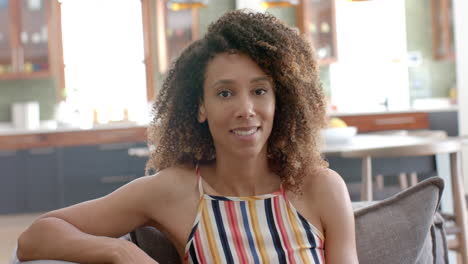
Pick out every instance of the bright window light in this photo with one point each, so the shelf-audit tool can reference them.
(103, 56)
(371, 67)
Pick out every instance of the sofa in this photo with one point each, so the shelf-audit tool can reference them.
(405, 228)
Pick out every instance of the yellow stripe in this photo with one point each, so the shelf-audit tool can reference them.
(209, 233)
(258, 235)
(297, 233)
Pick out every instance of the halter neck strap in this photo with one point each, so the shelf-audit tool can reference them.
(199, 180)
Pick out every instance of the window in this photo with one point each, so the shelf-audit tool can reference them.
(372, 68)
(103, 48)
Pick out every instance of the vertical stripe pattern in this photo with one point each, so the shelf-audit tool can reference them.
(256, 229)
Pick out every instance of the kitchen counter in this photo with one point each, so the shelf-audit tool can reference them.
(47, 138)
(401, 111)
(49, 135)
(7, 129)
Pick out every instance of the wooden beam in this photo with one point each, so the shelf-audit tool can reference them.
(148, 48)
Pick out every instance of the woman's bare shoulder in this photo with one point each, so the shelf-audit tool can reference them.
(324, 181)
(329, 191)
(173, 179)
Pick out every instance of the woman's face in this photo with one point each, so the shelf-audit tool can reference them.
(239, 104)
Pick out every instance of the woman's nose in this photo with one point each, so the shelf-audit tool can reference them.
(245, 108)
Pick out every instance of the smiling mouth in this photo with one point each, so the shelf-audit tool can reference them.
(244, 132)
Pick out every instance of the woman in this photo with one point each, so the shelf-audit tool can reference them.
(240, 178)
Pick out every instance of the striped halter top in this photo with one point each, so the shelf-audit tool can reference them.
(253, 229)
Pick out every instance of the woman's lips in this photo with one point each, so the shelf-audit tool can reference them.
(245, 131)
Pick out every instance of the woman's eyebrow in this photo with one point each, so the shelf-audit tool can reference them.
(259, 79)
(227, 81)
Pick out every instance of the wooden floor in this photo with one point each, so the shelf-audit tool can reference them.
(11, 227)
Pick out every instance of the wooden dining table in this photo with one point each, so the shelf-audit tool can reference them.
(366, 142)
(358, 142)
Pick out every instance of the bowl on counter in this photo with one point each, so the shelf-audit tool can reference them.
(338, 135)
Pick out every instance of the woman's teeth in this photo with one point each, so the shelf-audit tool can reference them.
(244, 132)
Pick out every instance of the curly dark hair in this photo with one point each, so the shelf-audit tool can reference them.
(294, 144)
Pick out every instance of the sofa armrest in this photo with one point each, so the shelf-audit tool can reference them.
(14, 260)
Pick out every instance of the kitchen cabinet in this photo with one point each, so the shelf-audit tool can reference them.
(442, 30)
(30, 39)
(48, 170)
(387, 121)
(138, 164)
(176, 28)
(316, 18)
(91, 172)
(12, 192)
(41, 190)
(446, 121)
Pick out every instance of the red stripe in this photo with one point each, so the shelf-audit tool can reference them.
(284, 235)
(235, 229)
(322, 251)
(199, 248)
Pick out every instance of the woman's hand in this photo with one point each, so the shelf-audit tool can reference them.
(128, 253)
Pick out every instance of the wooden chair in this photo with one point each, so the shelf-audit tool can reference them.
(403, 176)
(452, 147)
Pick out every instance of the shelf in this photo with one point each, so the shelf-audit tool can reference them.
(24, 75)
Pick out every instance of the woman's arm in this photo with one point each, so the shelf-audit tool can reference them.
(331, 201)
(338, 220)
(87, 232)
(60, 240)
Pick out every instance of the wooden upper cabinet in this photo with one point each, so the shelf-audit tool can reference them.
(176, 29)
(442, 30)
(316, 18)
(29, 39)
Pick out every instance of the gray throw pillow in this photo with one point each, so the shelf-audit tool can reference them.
(404, 228)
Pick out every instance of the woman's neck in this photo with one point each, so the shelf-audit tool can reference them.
(236, 176)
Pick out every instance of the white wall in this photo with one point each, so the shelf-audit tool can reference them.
(460, 10)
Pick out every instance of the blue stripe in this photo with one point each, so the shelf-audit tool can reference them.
(193, 255)
(274, 232)
(219, 198)
(222, 232)
(310, 237)
(249, 233)
(194, 228)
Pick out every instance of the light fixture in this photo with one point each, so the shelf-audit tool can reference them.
(275, 3)
(176, 5)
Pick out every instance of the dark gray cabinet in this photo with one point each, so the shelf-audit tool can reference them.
(446, 121)
(91, 172)
(41, 179)
(12, 192)
(138, 164)
(44, 179)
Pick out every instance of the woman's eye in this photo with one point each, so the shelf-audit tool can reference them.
(260, 91)
(224, 94)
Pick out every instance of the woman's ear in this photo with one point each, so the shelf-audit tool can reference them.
(201, 113)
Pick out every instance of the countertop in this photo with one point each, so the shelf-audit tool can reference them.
(7, 129)
(50, 126)
(400, 111)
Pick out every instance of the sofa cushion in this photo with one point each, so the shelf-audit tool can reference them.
(155, 244)
(401, 228)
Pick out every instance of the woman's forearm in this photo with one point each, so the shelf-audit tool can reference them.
(54, 238)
